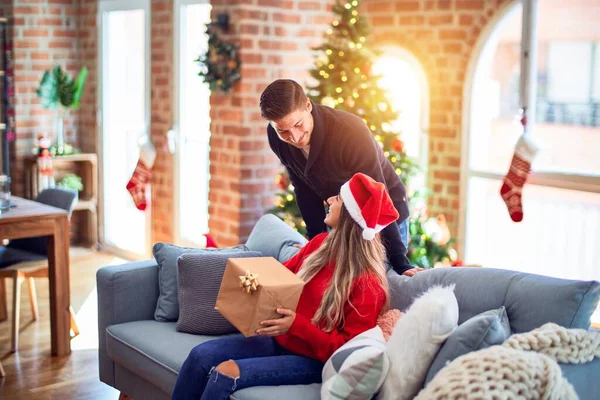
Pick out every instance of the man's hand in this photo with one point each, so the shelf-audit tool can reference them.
(413, 271)
(278, 326)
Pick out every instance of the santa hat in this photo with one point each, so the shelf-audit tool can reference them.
(369, 204)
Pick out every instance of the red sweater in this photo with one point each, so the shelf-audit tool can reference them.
(306, 339)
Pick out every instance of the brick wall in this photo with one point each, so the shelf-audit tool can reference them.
(44, 34)
(87, 37)
(161, 42)
(6, 9)
(441, 34)
(275, 40)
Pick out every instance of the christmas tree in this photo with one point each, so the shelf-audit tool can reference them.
(345, 81)
(286, 207)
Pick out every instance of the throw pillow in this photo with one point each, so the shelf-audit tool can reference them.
(274, 238)
(166, 255)
(484, 330)
(199, 280)
(416, 339)
(357, 369)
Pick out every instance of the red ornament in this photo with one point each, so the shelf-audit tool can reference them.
(210, 242)
(398, 145)
(283, 183)
(458, 263)
(524, 120)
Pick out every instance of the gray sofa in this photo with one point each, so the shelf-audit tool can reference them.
(141, 357)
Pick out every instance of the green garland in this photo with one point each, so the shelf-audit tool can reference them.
(220, 64)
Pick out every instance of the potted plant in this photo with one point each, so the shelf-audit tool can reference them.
(58, 91)
(72, 182)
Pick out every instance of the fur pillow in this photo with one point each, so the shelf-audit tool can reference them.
(416, 340)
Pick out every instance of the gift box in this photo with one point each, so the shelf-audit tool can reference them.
(253, 288)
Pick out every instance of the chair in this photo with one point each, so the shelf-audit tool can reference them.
(26, 259)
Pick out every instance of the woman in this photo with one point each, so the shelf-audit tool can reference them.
(345, 291)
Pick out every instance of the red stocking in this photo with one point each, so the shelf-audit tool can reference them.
(141, 176)
(517, 175)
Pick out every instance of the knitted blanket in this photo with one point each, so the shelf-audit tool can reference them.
(567, 346)
(524, 366)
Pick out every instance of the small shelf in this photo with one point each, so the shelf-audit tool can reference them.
(84, 221)
(3, 21)
(1, 73)
(2, 127)
(74, 158)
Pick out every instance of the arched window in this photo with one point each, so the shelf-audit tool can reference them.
(560, 232)
(408, 91)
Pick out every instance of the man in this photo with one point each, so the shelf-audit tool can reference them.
(321, 148)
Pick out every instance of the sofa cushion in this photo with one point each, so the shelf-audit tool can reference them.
(166, 255)
(274, 238)
(154, 350)
(584, 378)
(525, 296)
(290, 392)
(140, 348)
(199, 279)
(484, 330)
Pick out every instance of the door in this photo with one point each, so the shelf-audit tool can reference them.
(192, 124)
(124, 101)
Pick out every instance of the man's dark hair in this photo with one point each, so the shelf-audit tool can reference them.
(280, 98)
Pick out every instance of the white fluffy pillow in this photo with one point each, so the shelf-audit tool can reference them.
(357, 369)
(416, 340)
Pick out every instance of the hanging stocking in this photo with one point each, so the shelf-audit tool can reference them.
(141, 176)
(517, 175)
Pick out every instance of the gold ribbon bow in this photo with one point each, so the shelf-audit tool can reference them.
(249, 282)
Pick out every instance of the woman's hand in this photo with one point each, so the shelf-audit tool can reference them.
(413, 271)
(279, 326)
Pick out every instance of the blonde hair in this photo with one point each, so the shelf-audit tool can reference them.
(352, 256)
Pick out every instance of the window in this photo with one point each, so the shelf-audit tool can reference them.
(405, 81)
(561, 227)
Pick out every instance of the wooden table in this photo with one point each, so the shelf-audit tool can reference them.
(31, 219)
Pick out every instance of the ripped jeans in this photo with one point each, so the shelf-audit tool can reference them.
(261, 361)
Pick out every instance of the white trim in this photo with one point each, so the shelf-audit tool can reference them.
(569, 180)
(351, 205)
(105, 6)
(414, 63)
(120, 5)
(529, 62)
(466, 116)
(175, 130)
(526, 148)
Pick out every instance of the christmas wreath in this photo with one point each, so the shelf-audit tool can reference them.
(220, 64)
